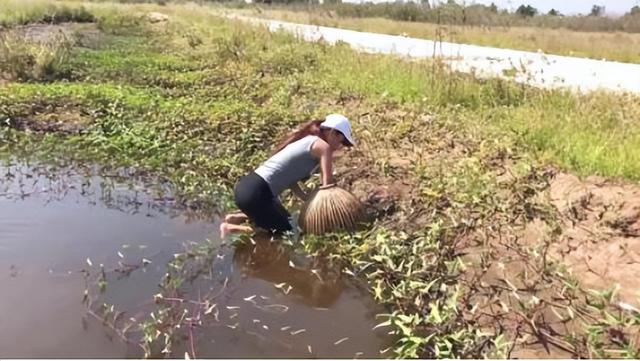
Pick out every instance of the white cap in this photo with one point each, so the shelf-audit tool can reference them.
(340, 123)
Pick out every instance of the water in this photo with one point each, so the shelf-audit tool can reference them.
(53, 222)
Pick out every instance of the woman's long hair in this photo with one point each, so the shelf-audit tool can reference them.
(311, 127)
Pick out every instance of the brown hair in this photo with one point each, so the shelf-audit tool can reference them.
(311, 127)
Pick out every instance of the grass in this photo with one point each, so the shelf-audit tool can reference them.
(199, 101)
(613, 45)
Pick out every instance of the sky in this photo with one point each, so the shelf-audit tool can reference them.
(613, 7)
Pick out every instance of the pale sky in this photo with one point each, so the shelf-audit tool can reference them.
(613, 7)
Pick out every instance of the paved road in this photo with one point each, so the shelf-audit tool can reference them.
(536, 69)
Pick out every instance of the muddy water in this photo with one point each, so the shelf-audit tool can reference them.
(53, 222)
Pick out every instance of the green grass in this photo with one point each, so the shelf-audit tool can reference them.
(588, 134)
(200, 100)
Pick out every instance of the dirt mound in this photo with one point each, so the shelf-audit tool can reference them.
(155, 17)
(383, 195)
(600, 241)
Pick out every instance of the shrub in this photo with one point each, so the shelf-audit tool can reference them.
(67, 14)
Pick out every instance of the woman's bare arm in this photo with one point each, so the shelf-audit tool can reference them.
(322, 150)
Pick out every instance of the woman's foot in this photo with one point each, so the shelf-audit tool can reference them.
(235, 218)
(227, 228)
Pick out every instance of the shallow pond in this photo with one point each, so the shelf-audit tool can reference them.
(55, 222)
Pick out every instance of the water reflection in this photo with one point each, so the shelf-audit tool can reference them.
(315, 283)
(283, 304)
(119, 189)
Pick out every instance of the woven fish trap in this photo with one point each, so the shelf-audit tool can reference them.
(331, 209)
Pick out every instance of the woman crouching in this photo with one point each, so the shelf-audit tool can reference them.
(295, 158)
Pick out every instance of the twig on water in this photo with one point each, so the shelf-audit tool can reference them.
(110, 326)
(193, 350)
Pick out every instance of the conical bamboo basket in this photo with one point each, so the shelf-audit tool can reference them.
(330, 209)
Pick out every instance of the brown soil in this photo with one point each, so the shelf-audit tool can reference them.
(597, 239)
(380, 175)
(600, 242)
(383, 195)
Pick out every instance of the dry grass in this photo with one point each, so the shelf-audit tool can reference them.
(14, 12)
(24, 59)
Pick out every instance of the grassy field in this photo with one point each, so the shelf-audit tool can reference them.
(616, 46)
(199, 100)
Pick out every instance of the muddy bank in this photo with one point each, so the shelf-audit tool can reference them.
(600, 240)
(69, 121)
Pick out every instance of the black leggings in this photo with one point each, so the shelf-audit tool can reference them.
(254, 197)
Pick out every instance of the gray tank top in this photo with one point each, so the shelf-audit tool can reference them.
(290, 165)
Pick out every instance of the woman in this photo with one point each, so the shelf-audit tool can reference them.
(256, 194)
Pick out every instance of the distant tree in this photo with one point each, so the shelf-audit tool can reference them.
(526, 11)
(635, 10)
(494, 9)
(554, 12)
(597, 10)
(425, 3)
